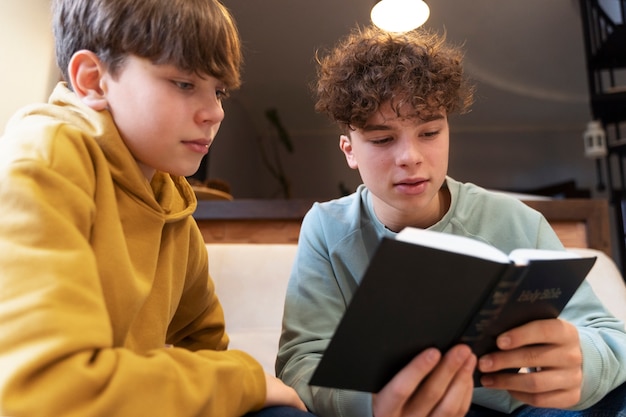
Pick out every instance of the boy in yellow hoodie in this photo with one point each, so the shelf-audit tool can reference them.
(106, 308)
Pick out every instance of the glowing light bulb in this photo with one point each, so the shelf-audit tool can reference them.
(399, 15)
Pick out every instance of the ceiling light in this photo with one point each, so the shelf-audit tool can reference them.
(399, 15)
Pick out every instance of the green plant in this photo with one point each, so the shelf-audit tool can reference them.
(270, 151)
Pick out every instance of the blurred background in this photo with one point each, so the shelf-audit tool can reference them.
(523, 134)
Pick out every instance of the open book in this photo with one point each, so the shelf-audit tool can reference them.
(430, 289)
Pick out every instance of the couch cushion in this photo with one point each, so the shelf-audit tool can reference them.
(251, 281)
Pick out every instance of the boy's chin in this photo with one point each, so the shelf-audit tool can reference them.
(188, 172)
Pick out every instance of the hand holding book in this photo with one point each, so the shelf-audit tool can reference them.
(429, 289)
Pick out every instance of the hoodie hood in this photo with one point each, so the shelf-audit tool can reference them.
(169, 195)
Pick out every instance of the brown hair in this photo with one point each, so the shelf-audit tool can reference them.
(197, 36)
(370, 67)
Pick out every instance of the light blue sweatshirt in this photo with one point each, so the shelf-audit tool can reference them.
(337, 240)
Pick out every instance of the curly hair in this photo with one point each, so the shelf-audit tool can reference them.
(371, 67)
(197, 36)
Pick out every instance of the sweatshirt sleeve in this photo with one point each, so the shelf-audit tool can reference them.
(316, 299)
(603, 345)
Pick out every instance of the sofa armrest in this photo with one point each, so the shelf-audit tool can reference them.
(607, 282)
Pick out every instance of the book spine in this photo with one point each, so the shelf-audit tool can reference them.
(475, 334)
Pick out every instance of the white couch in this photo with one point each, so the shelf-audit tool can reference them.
(251, 280)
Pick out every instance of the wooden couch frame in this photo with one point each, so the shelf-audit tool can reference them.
(578, 222)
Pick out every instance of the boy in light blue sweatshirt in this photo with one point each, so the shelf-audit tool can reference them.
(392, 95)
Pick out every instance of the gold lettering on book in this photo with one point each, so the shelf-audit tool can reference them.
(530, 296)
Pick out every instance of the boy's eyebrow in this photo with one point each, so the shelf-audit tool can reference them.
(424, 119)
(432, 117)
(369, 128)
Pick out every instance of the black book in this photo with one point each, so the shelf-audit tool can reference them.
(428, 289)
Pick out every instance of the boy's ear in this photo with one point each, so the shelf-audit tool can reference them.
(346, 147)
(86, 72)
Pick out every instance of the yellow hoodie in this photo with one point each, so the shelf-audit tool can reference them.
(99, 270)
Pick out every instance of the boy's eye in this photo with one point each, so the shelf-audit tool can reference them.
(183, 85)
(221, 94)
(431, 134)
(381, 141)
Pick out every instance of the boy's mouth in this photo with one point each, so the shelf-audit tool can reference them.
(200, 145)
(411, 186)
(411, 182)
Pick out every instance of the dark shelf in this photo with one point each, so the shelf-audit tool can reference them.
(609, 107)
(605, 52)
(612, 52)
(258, 209)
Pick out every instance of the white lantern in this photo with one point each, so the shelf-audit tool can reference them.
(595, 140)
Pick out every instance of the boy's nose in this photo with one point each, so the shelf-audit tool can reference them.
(408, 153)
(210, 113)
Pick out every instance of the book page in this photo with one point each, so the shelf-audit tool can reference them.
(452, 243)
(523, 256)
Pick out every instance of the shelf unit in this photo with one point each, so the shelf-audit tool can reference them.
(604, 33)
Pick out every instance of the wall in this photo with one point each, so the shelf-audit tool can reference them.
(502, 157)
(27, 67)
